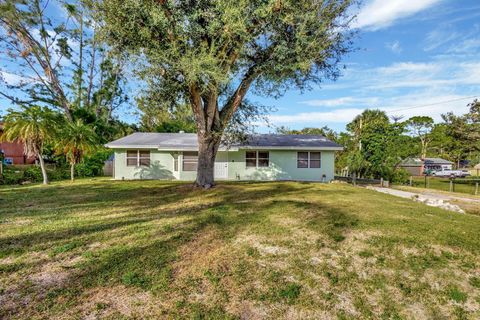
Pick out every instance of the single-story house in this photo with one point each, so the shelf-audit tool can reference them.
(260, 157)
(13, 152)
(417, 166)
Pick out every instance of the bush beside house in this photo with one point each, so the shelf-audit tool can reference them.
(91, 166)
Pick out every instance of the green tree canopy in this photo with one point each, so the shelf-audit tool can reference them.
(75, 139)
(377, 146)
(33, 126)
(59, 58)
(420, 127)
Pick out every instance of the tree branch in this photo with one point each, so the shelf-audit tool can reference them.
(237, 97)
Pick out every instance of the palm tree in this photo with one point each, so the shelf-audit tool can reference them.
(74, 141)
(32, 126)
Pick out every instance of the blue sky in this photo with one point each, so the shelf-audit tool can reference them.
(411, 53)
(415, 57)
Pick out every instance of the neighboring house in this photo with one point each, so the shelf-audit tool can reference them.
(417, 166)
(14, 152)
(261, 157)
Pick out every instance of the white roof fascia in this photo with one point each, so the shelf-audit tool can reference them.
(118, 146)
(293, 148)
(223, 148)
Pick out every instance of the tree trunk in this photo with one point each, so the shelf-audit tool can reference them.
(207, 151)
(424, 150)
(42, 167)
(72, 172)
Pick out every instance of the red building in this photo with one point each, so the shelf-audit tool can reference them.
(13, 152)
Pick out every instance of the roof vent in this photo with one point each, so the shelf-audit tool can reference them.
(181, 131)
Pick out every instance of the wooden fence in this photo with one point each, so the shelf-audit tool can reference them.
(360, 181)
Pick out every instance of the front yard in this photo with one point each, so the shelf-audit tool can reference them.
(122, 250)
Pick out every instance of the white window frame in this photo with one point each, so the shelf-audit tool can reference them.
(137, 158)
(176, 161)
(309, 159)
(257, 159)
(189, 161)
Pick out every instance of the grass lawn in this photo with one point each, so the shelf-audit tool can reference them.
(466, 186)
(138, 250)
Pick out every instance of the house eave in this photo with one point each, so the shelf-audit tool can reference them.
(176, 149)
(118, 146)
(295, 148)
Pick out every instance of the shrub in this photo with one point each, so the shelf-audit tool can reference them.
(58, 173)
(400, 176)
(33, 174)
(92, 165)
(16, 175)
(11, 176)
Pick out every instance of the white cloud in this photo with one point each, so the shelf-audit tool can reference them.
(340, 102)
(450, 41)
(471, 45)
(395, 47)
(395, 88)
(338, 116)
(439, 37)
(445, 74)
(399, 68)
(379, 14)
(428, 103)
(12, 78)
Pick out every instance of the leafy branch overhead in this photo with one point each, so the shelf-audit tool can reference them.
(202, 49)
(52, 51)
(209, 54)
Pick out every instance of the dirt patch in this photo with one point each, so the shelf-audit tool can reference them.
(259, 243)
(248, 310)
(50, 277)
(199, 254)
(116, 301)
(19, 221)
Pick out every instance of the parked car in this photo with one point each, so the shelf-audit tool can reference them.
(451, 173)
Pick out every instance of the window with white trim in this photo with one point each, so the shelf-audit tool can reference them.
(302, 159)
(190, 161)
(251, 159)
(315, 159)
(257, 159)
(138, 158)
(306, 159)
(175, 162)
(263, 159)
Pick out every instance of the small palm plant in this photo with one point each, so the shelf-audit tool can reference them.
(33, 126)
(76, 140)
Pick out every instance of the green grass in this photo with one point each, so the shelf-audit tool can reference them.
(465, 185)
(149, 249)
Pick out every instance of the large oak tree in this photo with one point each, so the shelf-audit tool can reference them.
(210, 53)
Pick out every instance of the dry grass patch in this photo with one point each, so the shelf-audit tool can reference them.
(101, 249)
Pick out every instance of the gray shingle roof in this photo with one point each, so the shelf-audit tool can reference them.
(189, 141)
(437, 161)
(154, 140)
(412, 162)
(289, 140)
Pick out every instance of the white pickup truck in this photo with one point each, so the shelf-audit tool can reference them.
(451, 173)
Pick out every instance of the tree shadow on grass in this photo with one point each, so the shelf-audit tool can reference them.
(143, 207)
(146, 260)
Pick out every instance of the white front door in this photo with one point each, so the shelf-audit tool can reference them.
(221, 170)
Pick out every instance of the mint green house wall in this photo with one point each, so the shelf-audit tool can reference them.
(161, 167)
(283, 166)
